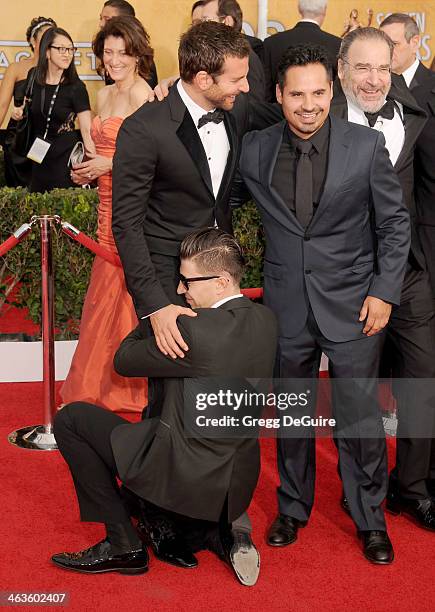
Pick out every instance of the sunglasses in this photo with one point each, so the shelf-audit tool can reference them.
(185, 281)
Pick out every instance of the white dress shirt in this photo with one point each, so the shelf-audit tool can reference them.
(409, 73)
(213, 137)
(392, 129)
(227, 299)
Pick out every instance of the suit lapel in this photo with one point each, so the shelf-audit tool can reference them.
(414, 118)
(230, 127)
(188, 134)
(268, 156)
(338, 156)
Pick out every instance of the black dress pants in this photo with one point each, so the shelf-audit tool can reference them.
(167, 270)
(82, 433)
(410, 347)
(360, 437)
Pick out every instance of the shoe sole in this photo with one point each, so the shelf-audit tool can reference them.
(411, 517)
(246, 565)
(275, 545)
(174, 563)
(121, 570)
(379, 562)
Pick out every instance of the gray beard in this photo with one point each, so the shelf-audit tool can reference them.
(365, 108)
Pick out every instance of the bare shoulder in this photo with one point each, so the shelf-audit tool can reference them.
(139, 93)
(22, 68)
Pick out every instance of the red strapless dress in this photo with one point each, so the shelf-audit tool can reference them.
(108, 313)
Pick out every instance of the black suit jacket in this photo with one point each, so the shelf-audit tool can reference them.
(303, 32)
(424, 169)
(414, 120)
(155, 458)
(422, 74)
(356, 244)
(256, 45)
(162, 187)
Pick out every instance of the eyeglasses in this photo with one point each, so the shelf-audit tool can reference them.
(364, 69)
(185, 281)
(63, 50)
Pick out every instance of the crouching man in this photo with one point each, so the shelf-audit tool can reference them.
(192, 488)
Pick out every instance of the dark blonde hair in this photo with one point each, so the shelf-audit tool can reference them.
(135, 37)
(214, 251)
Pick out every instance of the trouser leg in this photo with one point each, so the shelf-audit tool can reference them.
(242, 523)
(82, 433)
(411, 332)
(359, 435)
(167, 269)
(298, 358)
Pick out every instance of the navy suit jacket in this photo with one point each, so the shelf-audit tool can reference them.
(356, 244)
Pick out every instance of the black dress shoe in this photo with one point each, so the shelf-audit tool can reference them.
(377, 547)
(422, 511)
(167, 545)
(236, 549)
(100, 558)
(283, 531)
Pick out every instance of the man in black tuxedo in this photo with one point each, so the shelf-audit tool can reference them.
(424, 186)
(373, 98)
(230, 13)
(307, 30)
(405, 35)
(210, 480)
(172, 172)
(116, 8)
(337, 239)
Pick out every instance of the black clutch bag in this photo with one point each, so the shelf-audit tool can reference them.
(23, 130)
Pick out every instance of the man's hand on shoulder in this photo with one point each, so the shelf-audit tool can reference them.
(168, 337)
(376, 314)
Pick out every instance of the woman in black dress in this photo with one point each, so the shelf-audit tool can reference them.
(13, 85)
(59, 98)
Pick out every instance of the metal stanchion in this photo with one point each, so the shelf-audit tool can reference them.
(40, 437)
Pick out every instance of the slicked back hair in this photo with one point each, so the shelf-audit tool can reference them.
(411, 27)
(303, 55)
(206, 45)
(312, 7)
(363, 34)
(214, 251)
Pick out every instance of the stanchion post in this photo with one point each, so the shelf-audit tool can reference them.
(40, 437)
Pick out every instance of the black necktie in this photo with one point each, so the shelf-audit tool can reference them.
(216, 117)
(304, 183)
(387, 112)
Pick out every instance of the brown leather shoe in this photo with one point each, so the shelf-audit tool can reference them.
(283, 531)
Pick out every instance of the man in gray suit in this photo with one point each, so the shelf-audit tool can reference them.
(337, 239)
(207, 482)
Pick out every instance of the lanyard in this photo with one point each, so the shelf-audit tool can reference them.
(50, 109)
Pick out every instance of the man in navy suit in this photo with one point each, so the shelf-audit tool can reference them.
(337, 240)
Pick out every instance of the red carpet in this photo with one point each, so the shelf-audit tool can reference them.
(324, 570)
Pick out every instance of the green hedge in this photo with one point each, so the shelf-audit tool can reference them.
(20, 268)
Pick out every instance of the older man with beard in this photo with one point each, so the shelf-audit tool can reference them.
(375, 98)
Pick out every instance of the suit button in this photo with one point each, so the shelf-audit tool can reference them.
(307, 271)
(306, 238)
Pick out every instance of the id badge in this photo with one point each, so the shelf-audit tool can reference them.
(38, 150)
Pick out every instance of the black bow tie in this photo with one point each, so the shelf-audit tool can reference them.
(387, 112)
(216, 117)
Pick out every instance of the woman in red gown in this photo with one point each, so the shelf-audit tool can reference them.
(123, 49)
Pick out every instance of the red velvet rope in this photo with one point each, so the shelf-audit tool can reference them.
(8, 245)
(253, 293)
(91, 244)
